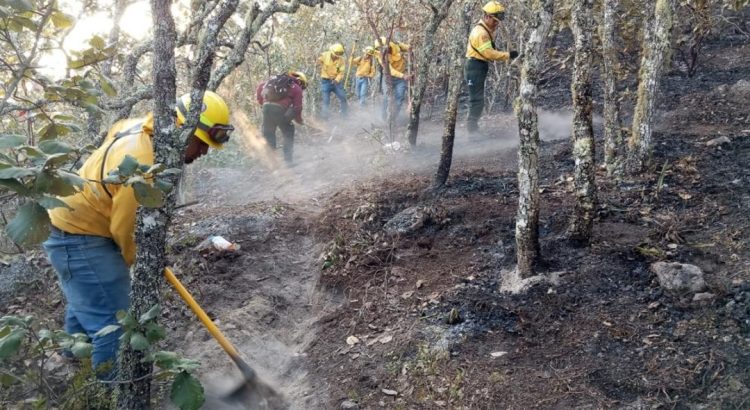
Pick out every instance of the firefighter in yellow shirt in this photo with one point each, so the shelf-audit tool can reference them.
(397, 61)
(365, 73)
(479, 51)
(332, 69)
(92, 242)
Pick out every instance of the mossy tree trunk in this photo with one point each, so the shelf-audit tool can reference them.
(582, 220)
(613, 143)
(527, 218)
(169, 147)
(454, 87)
(656, 54)
(423, 66)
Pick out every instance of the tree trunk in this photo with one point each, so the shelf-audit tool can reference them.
(423, 64)
(584, 211)
(169, 149)
(527, 219)
(613, 155)
(655, 56)
(451, 109)
(151, 236)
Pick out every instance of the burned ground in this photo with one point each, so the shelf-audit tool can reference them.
(335, 307)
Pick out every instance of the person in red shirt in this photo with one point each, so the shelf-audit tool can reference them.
(281, 99)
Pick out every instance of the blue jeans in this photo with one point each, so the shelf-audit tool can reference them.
(363, 85)
(327, 87)
(96, 283)
(399, 90)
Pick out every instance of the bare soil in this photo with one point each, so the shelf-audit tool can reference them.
(332, 310)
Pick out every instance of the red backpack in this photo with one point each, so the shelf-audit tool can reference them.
(277, 88)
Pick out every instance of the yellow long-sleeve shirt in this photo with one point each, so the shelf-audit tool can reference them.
(396, 59)
(481, 47)
(365, 66)
(105, 209)
(331, 68)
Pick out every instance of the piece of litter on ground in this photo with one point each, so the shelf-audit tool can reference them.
(498, 354)
(407, 295)
(390, 392)
(352, 340)
(386, 339)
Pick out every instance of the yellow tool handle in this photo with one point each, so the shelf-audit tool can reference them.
(210, 326)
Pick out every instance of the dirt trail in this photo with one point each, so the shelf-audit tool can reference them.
(265, 296)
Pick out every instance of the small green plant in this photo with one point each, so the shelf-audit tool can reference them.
(25, 352)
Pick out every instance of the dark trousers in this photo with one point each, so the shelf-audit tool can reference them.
(277, 116)
(475, 73)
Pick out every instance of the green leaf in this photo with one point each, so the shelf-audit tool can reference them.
(164, 186)
(155, 332)
(148, 195)
(151, 314)
(165, 360)
(107, 330)
(58, 183)
(138, 341)
(50, 202)
(187, 392)
(61, 20)
(107, 86)
(16, 172)
(10, 343)
(25, 22)
(70, 178)
(126, 320)
(56, 160)
(20, 5)
(7, 379)
(97, 42)
(187, 364)
(128, 165)
(14, 186)
(11, 140)
(55, 147)
(12, 321)
(81, 349)
(30, 225)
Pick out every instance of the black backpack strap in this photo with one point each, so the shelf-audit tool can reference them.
(135, 129)
(492, 41)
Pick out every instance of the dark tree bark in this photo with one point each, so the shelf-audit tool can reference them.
(655, 56)
(423, 63)
(454, 87)
(169, 147)
(613, 142)
(527, 218)
(584, 173)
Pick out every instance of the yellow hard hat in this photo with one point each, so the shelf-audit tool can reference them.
(337, 49)
(369, 50)
(299, 75)
(494, 10)
(213, 125)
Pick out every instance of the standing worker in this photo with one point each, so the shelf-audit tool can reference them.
(365, 73)
(479, 51)
(281, 99)
(332, 72)
(92, 242)
(397, 62)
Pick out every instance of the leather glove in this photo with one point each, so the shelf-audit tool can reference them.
(513, 54)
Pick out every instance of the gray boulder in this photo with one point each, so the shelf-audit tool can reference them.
(679, 278)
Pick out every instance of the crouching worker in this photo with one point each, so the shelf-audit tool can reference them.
(92, 244)
(281, 99)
